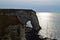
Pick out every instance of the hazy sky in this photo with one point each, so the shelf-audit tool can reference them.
(37, 5)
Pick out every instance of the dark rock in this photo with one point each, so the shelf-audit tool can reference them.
(32, 35)
(18, 16)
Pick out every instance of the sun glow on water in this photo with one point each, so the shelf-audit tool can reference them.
(44, 14)
(44, 20)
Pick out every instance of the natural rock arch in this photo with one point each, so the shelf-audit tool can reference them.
(12, 17)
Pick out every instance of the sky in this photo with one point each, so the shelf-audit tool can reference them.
(37, 5)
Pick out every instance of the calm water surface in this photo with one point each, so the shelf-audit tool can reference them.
(50, 23)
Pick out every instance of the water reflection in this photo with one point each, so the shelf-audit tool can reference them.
(45, 20)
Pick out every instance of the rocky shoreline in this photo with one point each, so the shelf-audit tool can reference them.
(30, 35)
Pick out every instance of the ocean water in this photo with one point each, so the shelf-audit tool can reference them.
(50, 23)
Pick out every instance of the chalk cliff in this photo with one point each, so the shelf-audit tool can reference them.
(23, 16)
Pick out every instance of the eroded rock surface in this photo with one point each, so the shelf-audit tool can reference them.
(17, 16)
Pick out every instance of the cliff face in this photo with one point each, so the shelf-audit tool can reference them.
(22, 16)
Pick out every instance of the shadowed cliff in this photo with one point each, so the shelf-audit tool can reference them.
(12, 25)
(11, 17)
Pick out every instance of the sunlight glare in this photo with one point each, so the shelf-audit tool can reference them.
(44, 14)
(45, 21)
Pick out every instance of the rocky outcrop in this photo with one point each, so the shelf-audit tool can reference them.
(23, 15)
(11, 17)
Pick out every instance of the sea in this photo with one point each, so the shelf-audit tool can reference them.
(50, 24)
